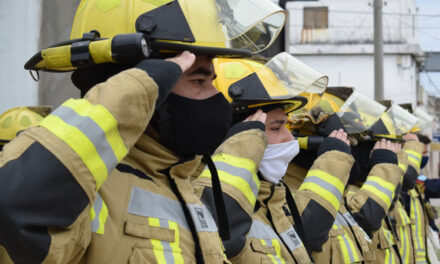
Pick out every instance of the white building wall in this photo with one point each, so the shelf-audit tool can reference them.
(345, 50)
(358, 71)
(19, 38)
(351, 21)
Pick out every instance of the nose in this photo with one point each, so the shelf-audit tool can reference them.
(210, 90)
(286, 135)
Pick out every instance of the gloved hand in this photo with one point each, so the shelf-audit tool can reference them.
(337, 140)
(167, 72)
(384, 151)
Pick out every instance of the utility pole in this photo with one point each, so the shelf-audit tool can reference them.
(378, 51)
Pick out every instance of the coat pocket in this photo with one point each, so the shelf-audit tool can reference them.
(151, 232)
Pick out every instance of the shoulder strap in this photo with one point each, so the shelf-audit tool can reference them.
(297, 219)
(188, 217)
(223, 221)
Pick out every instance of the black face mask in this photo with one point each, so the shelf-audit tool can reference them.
(194, 126)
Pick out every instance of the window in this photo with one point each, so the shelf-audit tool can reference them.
(315, 17)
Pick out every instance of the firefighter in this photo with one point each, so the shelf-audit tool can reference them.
(348, 240)
(250, 85)
(393, 242)
(412, 199)
(106, 178)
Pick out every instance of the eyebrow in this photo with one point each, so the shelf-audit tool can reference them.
(201, 71)
(276, 122)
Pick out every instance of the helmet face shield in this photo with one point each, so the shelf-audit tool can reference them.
(359, 113)
(250, 24)
(402, 120)
(295, 76)
(423, 118)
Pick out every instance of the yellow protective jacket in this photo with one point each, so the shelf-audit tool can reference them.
(393, 242)
(404, 239)
(272, 237)
(319, 202)
(386, 241)
(414, 205)
(88, 186)
(370, 203)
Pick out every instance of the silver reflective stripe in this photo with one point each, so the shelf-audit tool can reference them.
(347, 246)
(340, 220)
(329, 187)
(148, 204)
(167, 250)
(380, 188)
(291, 238)
(391, 259)
(92, 131)
(413, 156)
(350, 220)
(202, 218)
(419, 246)
(269, 244)
(97, 207)
(240, 172)
(404, 243)
(260, 230)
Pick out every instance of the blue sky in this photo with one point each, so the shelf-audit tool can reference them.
(429, 38)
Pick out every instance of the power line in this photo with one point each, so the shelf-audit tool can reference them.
(366, 12)
(354, 26)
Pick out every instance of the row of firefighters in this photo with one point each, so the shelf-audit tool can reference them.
(188, 146)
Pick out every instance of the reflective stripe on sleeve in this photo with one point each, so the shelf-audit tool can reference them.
(414, 157)
(325, 185)
(238, 172)
(92, 132)
(98, 215)
(403, 167)
(382, 189)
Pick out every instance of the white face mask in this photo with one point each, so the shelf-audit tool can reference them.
(276, 158)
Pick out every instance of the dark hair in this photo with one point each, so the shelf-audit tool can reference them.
(424, 139)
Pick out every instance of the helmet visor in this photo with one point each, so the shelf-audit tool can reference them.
(403, 120)
(359, 113)
(248, 24)
(285, 76)
(423, 118)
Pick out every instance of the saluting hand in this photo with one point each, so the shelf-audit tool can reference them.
(341, 135)
(257, 116)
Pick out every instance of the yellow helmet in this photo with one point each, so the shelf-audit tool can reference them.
(250, 84)
(19, 118)
(357, 113)
(124, 31)
(394, 123)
